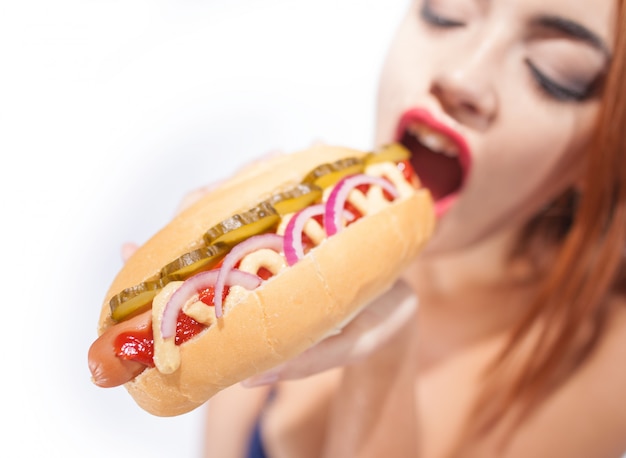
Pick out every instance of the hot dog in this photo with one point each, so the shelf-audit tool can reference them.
(257, 271)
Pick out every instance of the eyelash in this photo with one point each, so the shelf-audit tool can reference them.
(432, 18)
(544, 84)
(555, 90)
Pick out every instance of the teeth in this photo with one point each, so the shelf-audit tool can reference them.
(434, 140)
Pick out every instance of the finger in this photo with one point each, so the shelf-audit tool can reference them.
(128, 249)
(259, 160)
(363, 335)
(382, 320)
(195, 195)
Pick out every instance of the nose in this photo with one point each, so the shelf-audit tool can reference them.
(466, 90)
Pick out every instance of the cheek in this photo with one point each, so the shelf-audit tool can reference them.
(384, 110)
(524, 153)
(526, 168)
(533, 137)
(518, 170)
(404, 81)
(539, 141)
(389, 90)
(400, 87)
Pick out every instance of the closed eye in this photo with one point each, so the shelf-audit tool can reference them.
(432, 18)
(555, 90)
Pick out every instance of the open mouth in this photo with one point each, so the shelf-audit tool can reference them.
(439, 156)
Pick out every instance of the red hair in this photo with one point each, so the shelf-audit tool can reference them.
(567, 318)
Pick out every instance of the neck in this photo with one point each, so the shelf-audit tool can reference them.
(470, 295)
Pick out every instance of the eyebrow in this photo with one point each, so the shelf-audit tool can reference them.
(574, 30)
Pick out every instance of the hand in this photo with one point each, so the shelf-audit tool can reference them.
(129, 248)
(367, 332)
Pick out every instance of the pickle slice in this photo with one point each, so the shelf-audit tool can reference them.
(327, 175)
(134, 300)
(296, 198)
(393, 152)
(241, 226)
(195, 261)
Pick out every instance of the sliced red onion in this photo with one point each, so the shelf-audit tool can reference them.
(293, 248)
(338, 196)
(254, 243)
(192, 286)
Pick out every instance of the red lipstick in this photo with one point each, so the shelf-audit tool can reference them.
(440, 155)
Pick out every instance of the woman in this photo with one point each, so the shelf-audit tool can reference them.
(513, 110)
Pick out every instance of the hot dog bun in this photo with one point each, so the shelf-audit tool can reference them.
(291, 311)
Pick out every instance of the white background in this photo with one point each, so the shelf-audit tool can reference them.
(110, 111)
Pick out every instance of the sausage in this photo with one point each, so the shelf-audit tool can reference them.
(107, 369)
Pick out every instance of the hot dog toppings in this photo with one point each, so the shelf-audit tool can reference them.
(327, 175)
(333, 213)
(255, 243)
(294, 247)
(293, 199)
(276, 233)
(241, 226)
(137, 299)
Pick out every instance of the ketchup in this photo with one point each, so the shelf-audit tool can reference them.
(408, 172)
(139, 346)
(136, 346)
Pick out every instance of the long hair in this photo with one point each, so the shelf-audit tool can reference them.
(568, 316)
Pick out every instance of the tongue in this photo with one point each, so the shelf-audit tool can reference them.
(441, 174)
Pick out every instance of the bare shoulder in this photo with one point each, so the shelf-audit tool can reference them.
(611, 354)
(607, 366)
(586, 416)
(609, 360)
(618, 318)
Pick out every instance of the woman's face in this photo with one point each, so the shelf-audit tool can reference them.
(496, 99)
